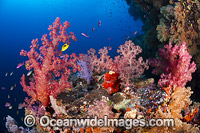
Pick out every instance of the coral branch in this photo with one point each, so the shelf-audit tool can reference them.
(48, 66)
(175, 65)
(126, 64)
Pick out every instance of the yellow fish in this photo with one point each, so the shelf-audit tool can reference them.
(65, 47)
(27, 64)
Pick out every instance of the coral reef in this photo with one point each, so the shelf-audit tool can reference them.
(97, 85)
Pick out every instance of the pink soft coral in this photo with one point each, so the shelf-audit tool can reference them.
(47, 64)
(102, 63)
(175, 65)
(126, 64)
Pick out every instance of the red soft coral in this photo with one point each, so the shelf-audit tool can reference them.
(174, 64)
(47, 64)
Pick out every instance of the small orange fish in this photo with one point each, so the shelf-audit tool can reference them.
(58, 103)
(20, 65)
(150, 98)
(109, 48)
(89, 130)
(127, 37)
(84, 34)
(134, 32)
(186, 106)
(148, 111)
(7, 104)
(81, 130)
(93, 29)
(85, 107)
(155, 104)
(128, 109)
(99, 23)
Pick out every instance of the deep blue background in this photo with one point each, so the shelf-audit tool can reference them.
(24, 20)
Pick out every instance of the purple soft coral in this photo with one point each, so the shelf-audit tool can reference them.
(85, 72)
(175, 65)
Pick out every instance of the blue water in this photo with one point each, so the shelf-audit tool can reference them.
(23, 20)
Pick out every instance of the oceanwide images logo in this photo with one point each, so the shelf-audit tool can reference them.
(45, 121)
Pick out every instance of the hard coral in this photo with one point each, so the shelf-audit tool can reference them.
(47, 64)
(174, 64)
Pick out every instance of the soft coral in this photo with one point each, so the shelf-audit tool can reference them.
(174, 64)
(126, 64)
